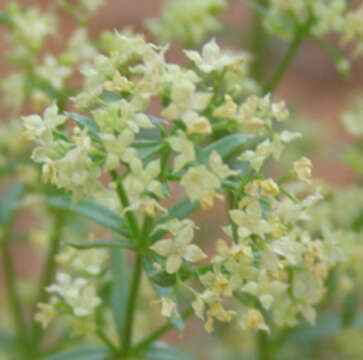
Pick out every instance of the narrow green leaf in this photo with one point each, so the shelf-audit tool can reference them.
(8, 202)
(182, 209)
(157, 121)
(110, 243)
(165, 188)
(4, 18)
(358, 221)
(82, 353)
(227, 146)
(147, 153)
(86, 122)
(36, 82)
(120, 290)
(91, 210)
(326, 325)
(6, 340)
(161, 351)
(138, 144)
(155, 133)
(350, 309)
(58, 135)
(108, 96)
(258, 8)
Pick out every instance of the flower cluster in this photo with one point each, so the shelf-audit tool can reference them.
(75, 291)
(26, 42)
(321, 16)
(339, 218)
(272, 263)
(42, 78)
(188, 20)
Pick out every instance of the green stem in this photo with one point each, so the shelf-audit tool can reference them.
(294, 46)
(258, 45)
(48, 274)
(9, 274)
(264, 350)
(130, 216)
(131, 304)
(232, 204)
(107, 341)
(147, 227)
(158, 333)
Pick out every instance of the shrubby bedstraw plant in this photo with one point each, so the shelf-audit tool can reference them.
(101, 150)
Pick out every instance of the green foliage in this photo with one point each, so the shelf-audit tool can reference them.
(83, 353)
(8, 202)
(161, 351)
(91, 210)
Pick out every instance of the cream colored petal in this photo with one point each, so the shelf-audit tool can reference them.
(163, 247)
(185, 235)
(238, 216)
(173, 263)
(266, 300)
(193, 56)
(194, 254)
(251, 288)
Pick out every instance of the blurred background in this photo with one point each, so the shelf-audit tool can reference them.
(312, 88)
(312, 83)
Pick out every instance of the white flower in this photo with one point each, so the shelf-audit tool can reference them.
(79, 293)
(221, 169)
(265, 289)
(188, 20)
(45, 314)
(91, 5)
(116, 146)
(227, 110)
(184, 147)
(200, 184)
(179, 248)
(39, 129)
(303, 168)
(353, 120)
(253, 320)
(54, 72)
(250, 221)
(259, 156)
(196, 124)
(168, 307)
(212, 59)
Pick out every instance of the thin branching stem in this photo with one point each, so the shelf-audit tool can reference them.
(48, 273)
(300, 34)
(131, 304)
(158, 333)
(9, 274)
(130, 216)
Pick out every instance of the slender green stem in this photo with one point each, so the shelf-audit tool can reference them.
(130, 216)
(131, 304)
(107, 341)
(232, 204)
(259, 45)
(158, 333)
(264, 348)
(48, 273)
(300, 33)
(8, 270)
(148, 224)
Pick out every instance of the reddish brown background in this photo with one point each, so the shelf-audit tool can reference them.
(311, 84)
